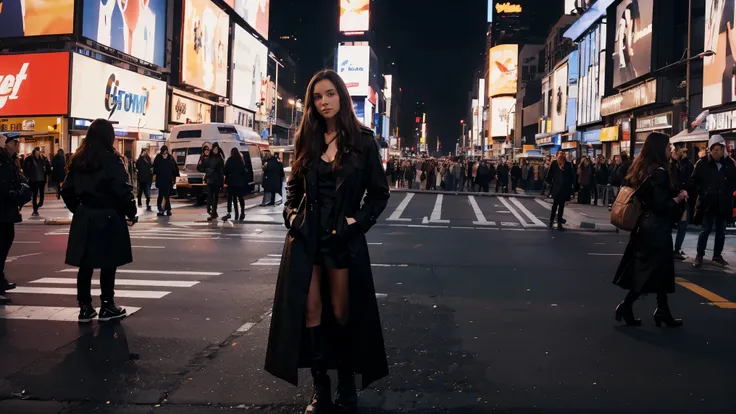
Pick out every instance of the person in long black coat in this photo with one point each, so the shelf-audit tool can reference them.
(214, 169)
(144, 175)
(237, 177)
(561, 179)
(98, 194)
(165, 172)
(648, 263)
(273, 175)
(325, 313)
(58, 171)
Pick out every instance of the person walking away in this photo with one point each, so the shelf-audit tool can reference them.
(36, 172)
(165, 172)
(272, 180)
(601, 178)
(214, 175)
(681, 178)
(561, 179)
(714, 182)
(586, 178)
(236, 178)
(647, 265)
(58, 171)
(336, 193)
(144, 175)
(98, 193)
(13, 195)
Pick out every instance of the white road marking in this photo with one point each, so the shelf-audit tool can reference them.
(246, 327)
(381, 296)
(532, 218)
(511, 209)
(388, 265)
(120, 293)
(48, 313)
(375, 244)
(480, 218)
(274, 255)
(148, 247)
(605, 254)
(155, 272)
(14, 258)
(509, 224)
(396, 215)
(121, 282)
(437, 212)
(26, 242)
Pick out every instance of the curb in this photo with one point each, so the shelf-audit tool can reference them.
(508, 195)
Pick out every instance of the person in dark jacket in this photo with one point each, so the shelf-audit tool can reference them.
(681, 176)
(11, 199)
(714, 181)
(336, 193)
(98, 193)
(515, 176)
(561, 180)
(586, 180)
(273, 177)
(483, 177)
(144, 169)
(214, 175)
(601, 178)
(502, 172)
(165, 172)
(647, 265)
(237, 177)
(58, 171)
(36, 172)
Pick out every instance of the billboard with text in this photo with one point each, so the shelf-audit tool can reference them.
(34, 84)
(353, 66)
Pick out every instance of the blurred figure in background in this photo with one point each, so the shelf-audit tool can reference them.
(58, 171)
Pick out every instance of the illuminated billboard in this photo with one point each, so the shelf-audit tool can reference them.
(137, 28)
(20, 18)
(254, 12)
(718, 70)
(632, 52)
(205, 46)
(250, 60)
(353, 66)
(40, 84)
(502, 115)
(355, 15)
(503, 64)
(559, 99)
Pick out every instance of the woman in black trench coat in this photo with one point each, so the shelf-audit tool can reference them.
(561, 178)
(648, 262)
(98, 194)
(325, 313)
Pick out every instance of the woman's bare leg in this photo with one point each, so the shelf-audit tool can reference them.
(314, 299)
(340, 295)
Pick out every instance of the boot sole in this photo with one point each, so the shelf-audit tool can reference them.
(109, 318)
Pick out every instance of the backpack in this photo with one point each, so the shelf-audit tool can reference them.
(626, 209)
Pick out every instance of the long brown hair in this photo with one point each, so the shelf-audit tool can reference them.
(90, 156)
(309, 143)
(651, 157)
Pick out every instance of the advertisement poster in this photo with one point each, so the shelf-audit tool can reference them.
(250, 61)
(205, 46)
(355, 15)
(503, 64)
(353, 64)
(136, 27)
(39, 84)
(502, 115)
(559, 99)
(590, 84)
(632, 51)
(718, 70)
(572, 89)
(359, 108)
(104, 91)
(20, 18)
(189, 111)
(254, 12)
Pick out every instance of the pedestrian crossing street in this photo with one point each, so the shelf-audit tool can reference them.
(46, 299)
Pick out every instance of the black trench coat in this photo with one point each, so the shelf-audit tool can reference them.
(648, 264)
(361, 173)
(100, 201)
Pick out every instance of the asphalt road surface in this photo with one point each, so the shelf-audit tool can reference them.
(506, 317)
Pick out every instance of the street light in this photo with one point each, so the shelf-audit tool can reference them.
(462, 122)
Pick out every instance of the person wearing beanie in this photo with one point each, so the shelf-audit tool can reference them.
(165, 172)
(714, 182)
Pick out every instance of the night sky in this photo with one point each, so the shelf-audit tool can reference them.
(437, 48)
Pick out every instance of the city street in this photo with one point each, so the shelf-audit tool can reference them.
(484, 310)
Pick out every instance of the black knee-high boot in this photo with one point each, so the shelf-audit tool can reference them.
(625, 309)
(322, 397)
(663, 314)
(347, 397)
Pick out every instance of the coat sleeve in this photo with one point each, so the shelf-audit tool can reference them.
(377, 189)
(68, 193)
(660, 200)
(294, 195)
(696, 179)
(550, 173)
(122, 190)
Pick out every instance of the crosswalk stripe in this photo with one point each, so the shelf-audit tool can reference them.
(155, 272)
(480, 218)
(121, 293)
(436, 216)
(532, 217)
(121, 282)
(396, 215)
(513, 211)
(48, 313)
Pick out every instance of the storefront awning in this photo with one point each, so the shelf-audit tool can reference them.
(695, 136)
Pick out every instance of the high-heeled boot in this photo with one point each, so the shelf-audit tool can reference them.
(347, 396)
(625, 310)
(322, 396)
(663, 314)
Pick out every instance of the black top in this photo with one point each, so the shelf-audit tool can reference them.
(327, 194)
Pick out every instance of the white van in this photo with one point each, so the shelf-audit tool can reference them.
(186, 143)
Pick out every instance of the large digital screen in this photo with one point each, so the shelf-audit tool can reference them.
(718, 70)
(205, 46)
(591, 82)
(502, 115)
(632, 51)
(559, 99)
(353, 63)
(503, 64)
(20, 18)
(250, 61)
(39, 84)
(254, 12)
(572, 89)
(355, 15)
(105, 91)
(135, 27)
